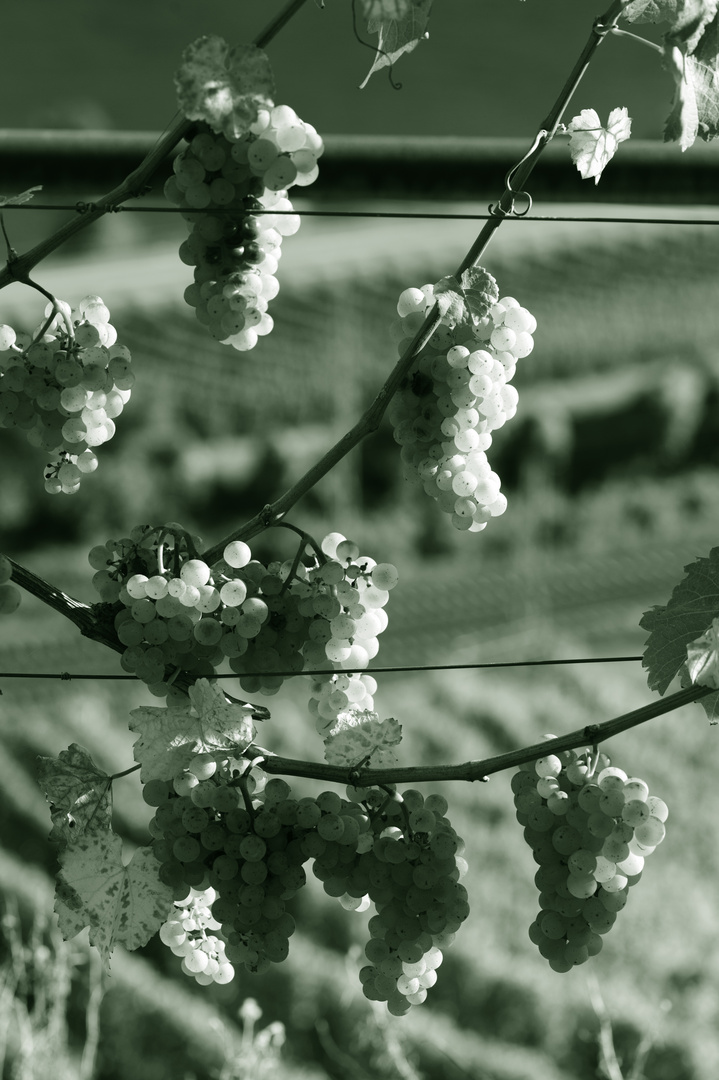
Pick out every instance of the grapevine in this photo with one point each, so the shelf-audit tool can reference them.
(231, 843)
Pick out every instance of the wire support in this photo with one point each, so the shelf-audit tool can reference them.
(399, 214)
(67, 676)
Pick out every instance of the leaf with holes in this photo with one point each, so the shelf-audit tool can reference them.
(592, 146)
(80, 794)
(401, 25)
(359, 736)
(170, 737)
(691, 609)
(122, 905)
(222, 86)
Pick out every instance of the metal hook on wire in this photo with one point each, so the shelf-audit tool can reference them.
(496, 211)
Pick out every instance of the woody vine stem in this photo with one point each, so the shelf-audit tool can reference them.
(88, 618)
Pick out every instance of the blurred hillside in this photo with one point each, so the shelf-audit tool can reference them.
(610, 470)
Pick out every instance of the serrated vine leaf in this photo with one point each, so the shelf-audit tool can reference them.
(80, 794)
(122, 905)
(401, 25)
(592, 145)
(23, 197)
(695, 108)
(224, 87)
(170, 737)
(691, 609)
(691, 51)
(480, 292)
(467, 299)
(359, 735)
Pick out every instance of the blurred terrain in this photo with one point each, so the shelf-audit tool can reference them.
(610, 471)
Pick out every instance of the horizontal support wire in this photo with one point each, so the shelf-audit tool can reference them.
(86, 207)
(66, 675)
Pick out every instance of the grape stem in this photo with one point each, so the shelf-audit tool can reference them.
(273, 513)
(134, 185)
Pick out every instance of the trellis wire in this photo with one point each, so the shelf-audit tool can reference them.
(66, 675)
(85, 207)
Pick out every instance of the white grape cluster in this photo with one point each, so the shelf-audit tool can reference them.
(235, 246)
(590, 827)
(9, 595)
(185, 932)
(65, 387)
(456, 393)
(177, 613)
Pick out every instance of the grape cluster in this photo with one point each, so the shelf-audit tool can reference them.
(404, 858)
(185, 933)
(590, 828)
(65, 387)
(176, 613)
(246, 860)
(235, 246)
(9, 595)
(232, 845)
(456, 393)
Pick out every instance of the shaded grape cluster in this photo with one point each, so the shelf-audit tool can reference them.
(590, 828)
(233, 846)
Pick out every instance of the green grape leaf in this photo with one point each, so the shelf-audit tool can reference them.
(23, 197)
(359, 736)
(703, 658)
(450, 300)
(687, 18)
(691, 609)
(122, 904)
(224, 87)
(401, 25)
(170, 737)
(80, 794)
(691, 55)
(469, 299)
(480, 292)
(592, 146)
(695, 108)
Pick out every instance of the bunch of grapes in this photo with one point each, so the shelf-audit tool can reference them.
(65, 387)
(590, 828)
(177, 614)
(185, 933)
(457, 393)
(235, 245)
(233, 844)
(9, 595)
(404, 856)
(237, 842)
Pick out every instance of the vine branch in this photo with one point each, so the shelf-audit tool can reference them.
(370, 421)
(477, 770)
